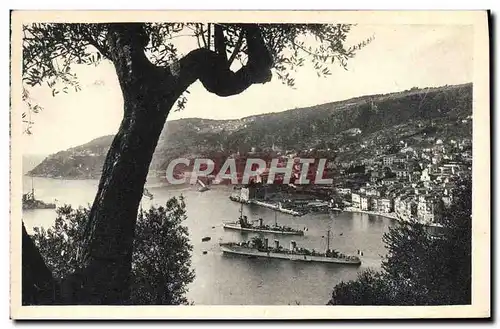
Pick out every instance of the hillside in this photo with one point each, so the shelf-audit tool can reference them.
(30, 161)
(353, 128)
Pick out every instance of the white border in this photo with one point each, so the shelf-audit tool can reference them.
(481, 227)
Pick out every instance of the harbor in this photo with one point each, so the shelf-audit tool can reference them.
(229, 279)
(284, 201)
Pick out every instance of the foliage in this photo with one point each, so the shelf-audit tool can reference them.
(59, 244)
(50, 50)
(45, 44)
(161, 257)
(421, 267)
(370, 288)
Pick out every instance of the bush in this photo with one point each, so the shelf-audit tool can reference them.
(370, 288)
(161, 260)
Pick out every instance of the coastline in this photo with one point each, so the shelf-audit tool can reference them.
(375, 213)
(61, 177)
(267, 205)
(387, 215)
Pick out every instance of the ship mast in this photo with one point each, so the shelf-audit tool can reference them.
(328, 231)
(328, 240)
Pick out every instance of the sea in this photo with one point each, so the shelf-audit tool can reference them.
(237, 280)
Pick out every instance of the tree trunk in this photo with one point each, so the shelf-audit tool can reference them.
(38, 285)
(148, 97)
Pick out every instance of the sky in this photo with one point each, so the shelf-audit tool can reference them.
(399, 58)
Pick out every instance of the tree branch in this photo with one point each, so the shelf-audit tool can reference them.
(220, 42)
(202, 33)
(126, 43)
(209, 36)
(237, 48)
(39, 62)
(212, 69)
(100, 48)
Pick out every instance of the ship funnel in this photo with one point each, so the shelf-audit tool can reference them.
(276, 244)
(266, 243)
(260, 222)
(293, 245)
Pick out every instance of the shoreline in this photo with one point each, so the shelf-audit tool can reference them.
(61, 177)
(386, 215)
(375, 213)
(269, 206)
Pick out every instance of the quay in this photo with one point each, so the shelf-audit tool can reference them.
(375, 213)
(272, 206)
(388, 215)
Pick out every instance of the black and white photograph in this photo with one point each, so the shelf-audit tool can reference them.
(281, 159)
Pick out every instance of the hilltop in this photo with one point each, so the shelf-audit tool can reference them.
(358, 127)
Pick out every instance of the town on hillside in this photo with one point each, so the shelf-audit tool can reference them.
(414, 183)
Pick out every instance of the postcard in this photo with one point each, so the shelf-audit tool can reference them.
(250, 165)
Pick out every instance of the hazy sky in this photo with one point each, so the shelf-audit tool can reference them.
(399, 58)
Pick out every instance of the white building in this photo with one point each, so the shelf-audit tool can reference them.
(356, 200)
(429, 209)
(365, 202)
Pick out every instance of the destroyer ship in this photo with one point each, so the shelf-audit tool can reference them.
(244, 225)
(258, 247)
(30, 202)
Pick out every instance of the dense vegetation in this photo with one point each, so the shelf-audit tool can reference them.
(422, 267)
(161, 260)
(415, 115)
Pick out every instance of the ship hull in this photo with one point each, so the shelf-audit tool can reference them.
(38, 205)
(235, 250)
(247, 229)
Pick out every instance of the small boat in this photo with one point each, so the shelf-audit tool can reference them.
(205, 239)
(203, 187)
(243, 225)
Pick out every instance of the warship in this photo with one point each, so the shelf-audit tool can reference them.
(244, 225)
(258, 247)
(30, 202)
